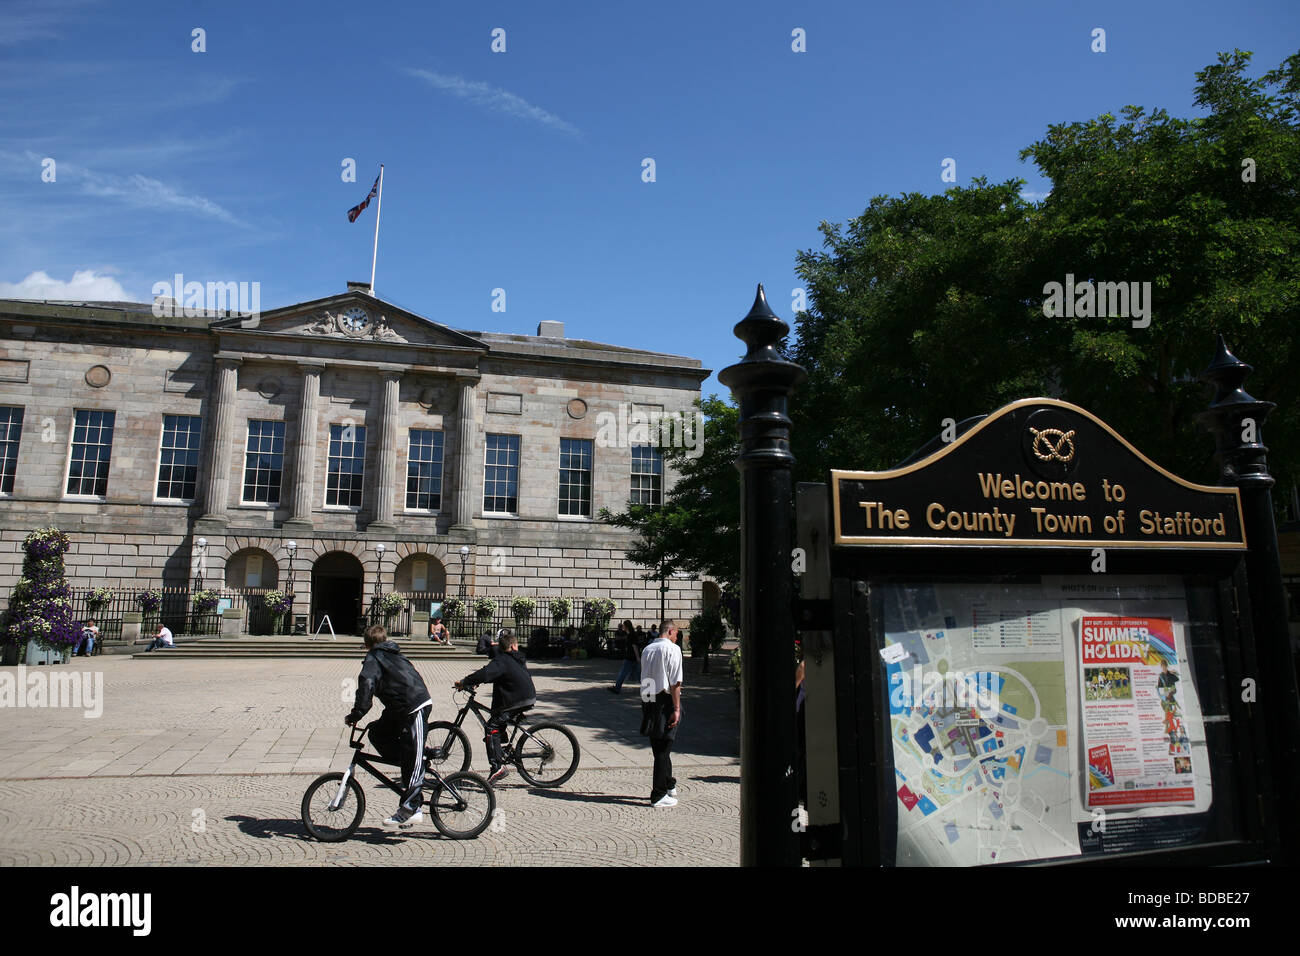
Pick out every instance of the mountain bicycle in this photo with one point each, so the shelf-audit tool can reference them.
(546, 754)
(461, 804)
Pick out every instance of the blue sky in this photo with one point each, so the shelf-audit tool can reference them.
(522, 170)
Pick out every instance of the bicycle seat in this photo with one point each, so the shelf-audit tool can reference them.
(520, 708)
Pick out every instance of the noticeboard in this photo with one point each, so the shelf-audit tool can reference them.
(995, 702)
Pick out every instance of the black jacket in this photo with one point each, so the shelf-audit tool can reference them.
(508, 675)
(390, 676)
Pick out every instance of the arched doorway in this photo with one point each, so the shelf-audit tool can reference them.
(336, 582)
(252, 572)
(422, 574)
(252, 568)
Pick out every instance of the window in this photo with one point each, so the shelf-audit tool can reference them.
(92, 446)
(575, 476)
(11, 428)
(263, 462)
(501, 475)
(424, 471)
(647, 476)
(178, 461)
(347, 466)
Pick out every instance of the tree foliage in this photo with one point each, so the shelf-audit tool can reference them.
(926, 308)
(697, 529)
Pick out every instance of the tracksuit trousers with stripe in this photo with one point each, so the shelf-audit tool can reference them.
(401, 738)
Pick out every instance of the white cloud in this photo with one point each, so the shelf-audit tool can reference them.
(86, 286)
(151, 194)
(1030, 196)
(489, 97)
(22, 21)
(136, 190)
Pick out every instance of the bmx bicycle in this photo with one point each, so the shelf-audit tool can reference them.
(545, 754)
(461, 803)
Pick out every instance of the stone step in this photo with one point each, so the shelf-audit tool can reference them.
(343, 647)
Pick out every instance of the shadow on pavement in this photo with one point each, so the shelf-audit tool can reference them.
(269, 829)
(590, 797)
(710, 706)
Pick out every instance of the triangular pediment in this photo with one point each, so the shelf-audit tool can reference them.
(354, 317)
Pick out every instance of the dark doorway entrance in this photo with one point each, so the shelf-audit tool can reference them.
(336, 590)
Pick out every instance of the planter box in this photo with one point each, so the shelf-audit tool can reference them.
(36, 654)
(131, 625)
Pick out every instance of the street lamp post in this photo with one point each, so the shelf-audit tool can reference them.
(202, 545)
(292, 548)
(379, 590)
(464, 556)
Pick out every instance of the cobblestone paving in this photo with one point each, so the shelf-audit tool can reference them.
(205, 762)
(599, 818)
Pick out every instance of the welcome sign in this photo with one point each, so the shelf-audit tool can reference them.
(1038, 472)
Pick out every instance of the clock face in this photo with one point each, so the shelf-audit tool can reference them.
(355, 321)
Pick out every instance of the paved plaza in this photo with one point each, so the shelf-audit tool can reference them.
(205, 762)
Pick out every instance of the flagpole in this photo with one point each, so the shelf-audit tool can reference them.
(379, 208)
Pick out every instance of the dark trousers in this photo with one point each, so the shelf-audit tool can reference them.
(400, 737)
(496, 723)
(662, 748)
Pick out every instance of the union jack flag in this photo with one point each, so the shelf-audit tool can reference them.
(357, 210)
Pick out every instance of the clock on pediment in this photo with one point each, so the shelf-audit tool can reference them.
(354, 321)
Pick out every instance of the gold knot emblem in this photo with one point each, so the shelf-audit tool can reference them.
(1052, 444)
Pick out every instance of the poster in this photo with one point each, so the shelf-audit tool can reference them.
(1019, 711)
(1134, 716)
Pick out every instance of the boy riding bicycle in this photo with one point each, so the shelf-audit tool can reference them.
(398, 734)
(512, 691)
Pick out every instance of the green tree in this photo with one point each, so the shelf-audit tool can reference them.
(697, 529)
(931, 307)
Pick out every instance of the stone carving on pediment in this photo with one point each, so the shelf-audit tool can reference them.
(384, 331)
(324, 325)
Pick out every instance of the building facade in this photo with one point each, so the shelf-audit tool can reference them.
(283, 450)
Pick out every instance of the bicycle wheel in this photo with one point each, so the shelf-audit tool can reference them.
(325, 824)
(461, 805)
(447, 747)
(546, 754)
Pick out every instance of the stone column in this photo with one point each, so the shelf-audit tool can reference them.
(463, 512)
(386, 483)
(217, 494)
(304, 453)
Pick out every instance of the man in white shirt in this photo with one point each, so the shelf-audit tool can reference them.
(162, 639)
(661, 708)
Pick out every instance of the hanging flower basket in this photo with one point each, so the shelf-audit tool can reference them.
(391, 604)
(522, 608)
(99, 597)
(560, 608)
(484, 608)
(205, 601)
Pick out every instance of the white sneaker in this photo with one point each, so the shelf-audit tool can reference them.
(673, 793)
(665, 801)
(402, 820)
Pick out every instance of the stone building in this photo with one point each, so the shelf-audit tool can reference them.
(177, 447)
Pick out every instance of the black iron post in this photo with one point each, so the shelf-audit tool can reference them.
(1237, 420)
(762, 383)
